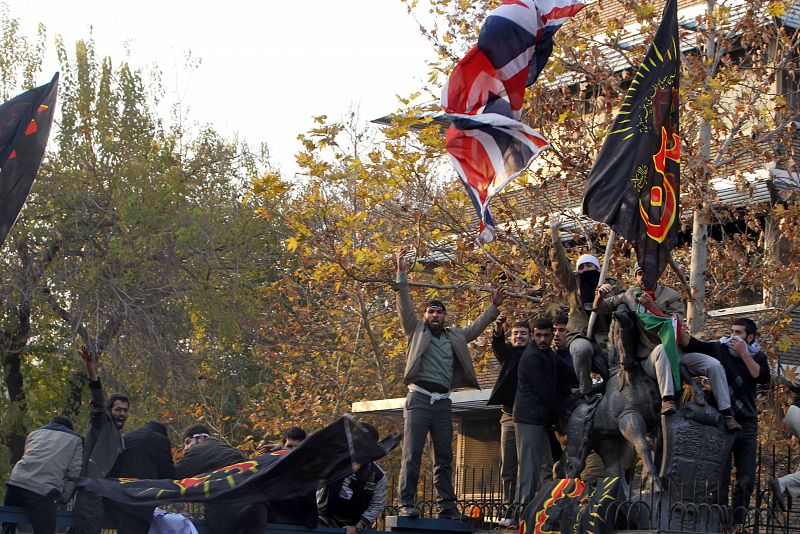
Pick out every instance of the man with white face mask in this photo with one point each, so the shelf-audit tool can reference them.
(746, 367)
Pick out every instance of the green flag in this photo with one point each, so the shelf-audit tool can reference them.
(665, 330)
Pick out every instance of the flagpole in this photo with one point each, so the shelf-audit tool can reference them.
(603, 272)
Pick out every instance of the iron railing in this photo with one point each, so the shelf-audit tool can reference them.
(681, 508)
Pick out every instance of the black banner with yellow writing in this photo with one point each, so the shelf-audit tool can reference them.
(24, 129)
(634, 186)
(325, 456)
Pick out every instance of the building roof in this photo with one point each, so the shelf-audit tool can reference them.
(467, 401)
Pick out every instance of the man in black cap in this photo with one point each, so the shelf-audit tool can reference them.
(438, 360)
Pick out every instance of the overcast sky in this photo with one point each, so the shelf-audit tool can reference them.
(266, 66)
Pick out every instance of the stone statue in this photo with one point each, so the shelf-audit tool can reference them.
(627, 412)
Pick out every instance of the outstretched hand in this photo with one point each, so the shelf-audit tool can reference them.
(498, 323)
(403, 263)
(88, 362)
(555, 227)
(499, 295)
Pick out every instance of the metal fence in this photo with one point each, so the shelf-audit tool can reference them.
(681, 508)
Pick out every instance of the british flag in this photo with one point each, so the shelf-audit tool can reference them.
(483, 98)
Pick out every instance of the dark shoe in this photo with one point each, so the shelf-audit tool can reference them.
(408, 511)
(449, 513)
(731, 424)
(778, 496)
(668, 407)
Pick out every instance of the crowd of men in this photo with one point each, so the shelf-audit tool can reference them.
(549, 366)
(55, 455)
(546, 369)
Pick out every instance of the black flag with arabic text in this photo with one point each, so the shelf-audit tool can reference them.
(24, 129)
(325, 456)
(634, 186)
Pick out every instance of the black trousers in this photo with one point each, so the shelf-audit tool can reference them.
(233, 518)
(41, 509)
(421, 418)
(744, 458)
(129, 519)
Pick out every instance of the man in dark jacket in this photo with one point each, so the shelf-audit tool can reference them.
(203, 453)
(147, 454)
(355, 501)
(101, 448)
(438, 360)
(300, 510)
(503, 393)
(746, 367)
(542, 388)
(53, 453)
(561, 345)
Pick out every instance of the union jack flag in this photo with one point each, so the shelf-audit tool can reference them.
(483, 97)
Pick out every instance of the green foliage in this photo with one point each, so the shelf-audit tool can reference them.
(144, 243)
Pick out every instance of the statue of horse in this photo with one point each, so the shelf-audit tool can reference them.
(627, 412)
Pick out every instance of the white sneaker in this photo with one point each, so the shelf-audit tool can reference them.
(507, 523)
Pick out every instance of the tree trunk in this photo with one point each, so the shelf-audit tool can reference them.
(696, 313)
(376, 348)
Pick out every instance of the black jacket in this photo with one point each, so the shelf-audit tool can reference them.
(505, 387)
(103, 442)
(147, 454)
(543, 386)
(208, 456)
(742, 386)
(224, 517)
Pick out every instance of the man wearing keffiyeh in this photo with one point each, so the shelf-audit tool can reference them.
(746, 367)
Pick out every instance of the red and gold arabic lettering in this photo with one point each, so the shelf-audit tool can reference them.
(663, 196)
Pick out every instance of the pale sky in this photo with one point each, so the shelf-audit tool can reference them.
(267, 66)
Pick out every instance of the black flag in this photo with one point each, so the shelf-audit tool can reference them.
(634, 186)
(328, 455)
(24, 128)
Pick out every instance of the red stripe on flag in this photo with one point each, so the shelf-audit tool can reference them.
(563, 12)
(473, 159)
(473, 74)
(515, 88)
(537, 140)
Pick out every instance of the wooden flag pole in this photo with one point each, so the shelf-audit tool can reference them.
(603, 272)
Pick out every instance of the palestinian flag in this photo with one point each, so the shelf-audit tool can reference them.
(666, 328)
(634, 186)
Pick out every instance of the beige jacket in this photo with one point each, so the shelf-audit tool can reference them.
(419, 337)
(667, 299)
(53, 453)
(578, 320)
